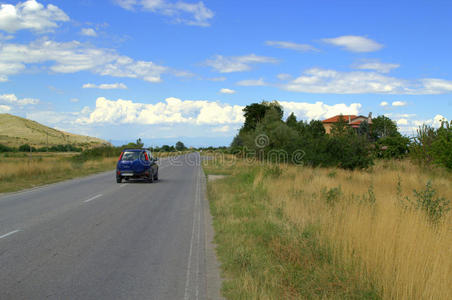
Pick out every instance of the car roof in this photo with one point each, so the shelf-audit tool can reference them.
(132, 149)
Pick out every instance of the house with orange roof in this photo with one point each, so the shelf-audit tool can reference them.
(353, 121)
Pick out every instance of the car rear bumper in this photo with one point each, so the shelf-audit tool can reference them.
(131, 174)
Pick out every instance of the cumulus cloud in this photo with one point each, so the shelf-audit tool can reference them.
(409, 126)
(105, 86)
(231, 64)
(291, 46)
(402, 122)
(319, 110)
(12, 99)
(171, 111)
(195, 14)
(88, 32)
(354, 43)
(384, 104)
(71, 57)
(252, 82)
(30, 15)
(227, 91)
(399, 103)
(224, 128)
(326, 81)
(4, 108)
(377, 66)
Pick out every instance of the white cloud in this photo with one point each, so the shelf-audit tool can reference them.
(12, 99)
(402, 122)
(74, 100)
(399, 103)
(105, 86)
(291, 46)
(319, 110)
(284, 76)
(354, 43)
(4, 108)
(252, 82)
(326, 81)
(88, 32)
(171, 111)
(217, 79)
(231, 64)
(196, 14)
(334, 82)
(224, 128)
(384, 104)
(436, 86)
(30, 15)
(71, 57)
(227, 91)
(377, 66)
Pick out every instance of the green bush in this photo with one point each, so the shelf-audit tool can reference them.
(392, 147)
(435, 207)
(433, 146)
(4, 148)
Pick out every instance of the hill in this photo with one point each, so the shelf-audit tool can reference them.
(16, 131)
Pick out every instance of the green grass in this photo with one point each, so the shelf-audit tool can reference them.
(263, 255)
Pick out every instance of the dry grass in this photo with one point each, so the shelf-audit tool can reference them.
(398, 249)
(19, 171)
(356, 216)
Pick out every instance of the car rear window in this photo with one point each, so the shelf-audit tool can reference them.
(131, 155)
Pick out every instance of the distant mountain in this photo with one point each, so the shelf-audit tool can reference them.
(16, 131)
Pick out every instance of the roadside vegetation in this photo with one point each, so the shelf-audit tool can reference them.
(22, 168)
(355, 214)
(287, 231)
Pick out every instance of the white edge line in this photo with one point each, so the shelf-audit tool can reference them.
(92, 198)
(10, 233)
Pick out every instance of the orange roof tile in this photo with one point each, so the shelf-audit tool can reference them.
(335, 119)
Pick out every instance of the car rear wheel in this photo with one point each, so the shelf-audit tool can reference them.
(118, 179)
(151, 178)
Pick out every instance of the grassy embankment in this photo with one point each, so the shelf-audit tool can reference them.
(298, 232)
(21, 171)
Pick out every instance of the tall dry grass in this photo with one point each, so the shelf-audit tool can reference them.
(21, 171)
(399, 250)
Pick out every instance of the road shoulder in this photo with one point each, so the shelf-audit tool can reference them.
(213, 278)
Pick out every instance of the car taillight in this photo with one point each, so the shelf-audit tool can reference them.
(120, 156)
(146, 156)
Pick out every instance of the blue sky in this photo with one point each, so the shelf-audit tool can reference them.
(166, 70)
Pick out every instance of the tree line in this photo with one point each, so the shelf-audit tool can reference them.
(266, 135)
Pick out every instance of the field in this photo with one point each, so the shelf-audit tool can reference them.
(287, 231)
(22, 170)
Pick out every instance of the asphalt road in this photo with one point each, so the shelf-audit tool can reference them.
(92, 238)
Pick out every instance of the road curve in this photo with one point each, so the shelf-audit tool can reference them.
(91, 238)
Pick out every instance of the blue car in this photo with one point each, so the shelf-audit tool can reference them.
(137, 163)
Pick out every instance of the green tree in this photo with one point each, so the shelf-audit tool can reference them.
(255, 113)
(292, 121)
(383, 126)
(180, 146)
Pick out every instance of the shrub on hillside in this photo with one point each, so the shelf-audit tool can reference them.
(4, 148)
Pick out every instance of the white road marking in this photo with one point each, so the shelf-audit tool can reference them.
(93, 198)
(9, 233)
